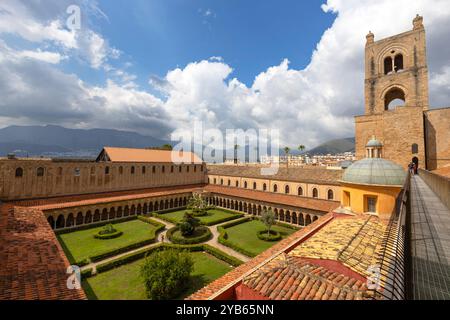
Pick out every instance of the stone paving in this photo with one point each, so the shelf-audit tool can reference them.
(430, 243)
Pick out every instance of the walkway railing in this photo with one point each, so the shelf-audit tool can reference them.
(395, 257)
(439, 184)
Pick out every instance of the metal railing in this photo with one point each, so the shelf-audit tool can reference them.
(395, 257)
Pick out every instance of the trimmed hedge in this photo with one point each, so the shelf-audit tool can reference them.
(209, 224)
(272, 237)
(159, 226)
(235, 262)
(82, 263)
(213, 223)
(108, 236)
(223, 239)
(87, 273)
(95, 225)
(207, 235)
(143, 253)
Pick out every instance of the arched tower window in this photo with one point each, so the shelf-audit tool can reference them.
(394, 98)
(245, 185)
(300, 191)
(387, 65)
(254, 186)
(275, 188)
(19, 173)
(286, 189)
(264, 187)
(398, 63)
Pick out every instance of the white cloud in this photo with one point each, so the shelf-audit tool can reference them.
(46, 56)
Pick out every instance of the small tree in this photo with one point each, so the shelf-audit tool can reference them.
(166, 273)
(197, 204)
(268, 218)
(188, 224)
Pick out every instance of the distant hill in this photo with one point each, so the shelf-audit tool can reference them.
(57, 141)
(334, 146)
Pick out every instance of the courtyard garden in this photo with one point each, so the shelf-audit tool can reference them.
(211, 218)
(252, 237)
(124, 279)
(96, 243)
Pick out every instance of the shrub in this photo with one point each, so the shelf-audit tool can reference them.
(159, 226)
(108, 236)
(87, 273)
(115, 252)
(235, 262)
(188, 225)
(200, 235)
(166, 274)
(82, 263)
(94, 225)
(270, 236)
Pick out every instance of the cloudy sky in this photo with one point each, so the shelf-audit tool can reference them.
(156, 66)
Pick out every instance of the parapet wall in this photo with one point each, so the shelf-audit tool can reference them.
(41, 178)
(439, 184)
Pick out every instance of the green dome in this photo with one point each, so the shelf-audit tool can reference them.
(374, 143)
(375, 171)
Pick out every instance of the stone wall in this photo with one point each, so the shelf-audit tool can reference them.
(437, 133)
(60, 178)
(294, 188)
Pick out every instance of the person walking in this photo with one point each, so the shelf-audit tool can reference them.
(411, 168)
(162, 238)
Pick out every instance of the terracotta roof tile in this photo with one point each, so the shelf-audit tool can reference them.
(293, 174)
(148, 155)
(275, 198)
(232, 278)
(82, 200)
(32, 262)
(296, 279)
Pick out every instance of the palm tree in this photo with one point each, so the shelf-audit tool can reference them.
(301, 148)
(286, 152)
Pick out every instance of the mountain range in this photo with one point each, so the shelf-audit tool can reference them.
(57, 141)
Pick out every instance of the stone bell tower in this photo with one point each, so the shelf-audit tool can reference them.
(396, 95)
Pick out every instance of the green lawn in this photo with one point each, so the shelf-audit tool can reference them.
(214, 216)
(125, 283)
(244, 236)
(80, 245)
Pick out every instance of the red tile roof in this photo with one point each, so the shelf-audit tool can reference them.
(32, 263)
(293, 174)
(294, 278)
(229, 281)
(97, 198)
(275, 198)
(149, 155)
